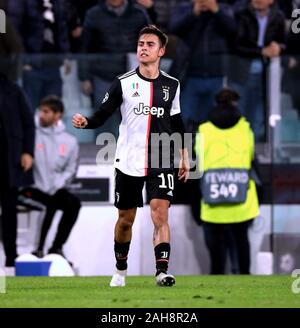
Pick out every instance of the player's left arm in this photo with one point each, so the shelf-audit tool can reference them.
(178, 126)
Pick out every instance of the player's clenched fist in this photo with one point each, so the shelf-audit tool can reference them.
(79, 121)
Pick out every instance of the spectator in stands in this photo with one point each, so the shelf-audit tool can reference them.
(10, 49)
(56, 159)
(76, 10)
(43, 28)
(291, 75)
(261, 37)
(164, 11)
(207, 26)
(110, 32)
(229, 197)
(16, 157)
(237, 5)
(148, 5)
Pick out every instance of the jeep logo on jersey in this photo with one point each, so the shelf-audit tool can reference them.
(166, 92)
(146, 110)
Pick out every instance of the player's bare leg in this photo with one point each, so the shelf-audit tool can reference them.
(123, 227)
(161, 241)
(123, 234)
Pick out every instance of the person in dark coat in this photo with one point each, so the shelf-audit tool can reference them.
(260, 38)
(207, 28)
(10, 48)
(16, 154)
(291, 66)
(76, 10)
(43, 28)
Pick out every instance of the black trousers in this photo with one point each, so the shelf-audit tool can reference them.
(61, 200)
(9, 223)
(218, 237)
(8, 201)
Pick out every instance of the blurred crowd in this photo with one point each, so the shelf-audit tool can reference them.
(212, 43)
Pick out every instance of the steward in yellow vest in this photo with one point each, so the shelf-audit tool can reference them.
(229, 194)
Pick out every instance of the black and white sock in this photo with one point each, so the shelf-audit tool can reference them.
(121, 254)
(162, 254)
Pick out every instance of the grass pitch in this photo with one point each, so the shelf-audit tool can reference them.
(189, 292)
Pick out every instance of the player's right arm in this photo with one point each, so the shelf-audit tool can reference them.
(110, 103)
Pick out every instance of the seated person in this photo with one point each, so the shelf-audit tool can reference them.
(56, 158)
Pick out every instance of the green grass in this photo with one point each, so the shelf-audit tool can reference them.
(190, 291)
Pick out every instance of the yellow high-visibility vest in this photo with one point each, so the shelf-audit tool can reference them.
(231, 148)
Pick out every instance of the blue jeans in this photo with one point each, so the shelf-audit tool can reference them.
(252, 103)
(198, 98)
(41, 82)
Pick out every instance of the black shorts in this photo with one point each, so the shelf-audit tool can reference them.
(128, 189)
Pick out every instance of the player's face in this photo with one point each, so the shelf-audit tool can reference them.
(47, 116)
(149, 49)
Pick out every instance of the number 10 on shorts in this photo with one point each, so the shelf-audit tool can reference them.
(167, 181)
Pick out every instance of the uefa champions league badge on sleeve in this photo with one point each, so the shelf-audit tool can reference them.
(52, 265)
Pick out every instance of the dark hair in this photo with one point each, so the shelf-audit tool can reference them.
(227, 97)
(53, 102)
(152, 29)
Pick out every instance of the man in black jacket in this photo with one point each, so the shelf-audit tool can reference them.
(260, 37)
(291, 73)
(207, 27)
(42, 26)
(16, 154)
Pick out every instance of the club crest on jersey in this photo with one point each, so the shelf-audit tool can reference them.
(166, 91)
(146, 110)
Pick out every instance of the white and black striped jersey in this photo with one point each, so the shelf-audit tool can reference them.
(147, 106)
